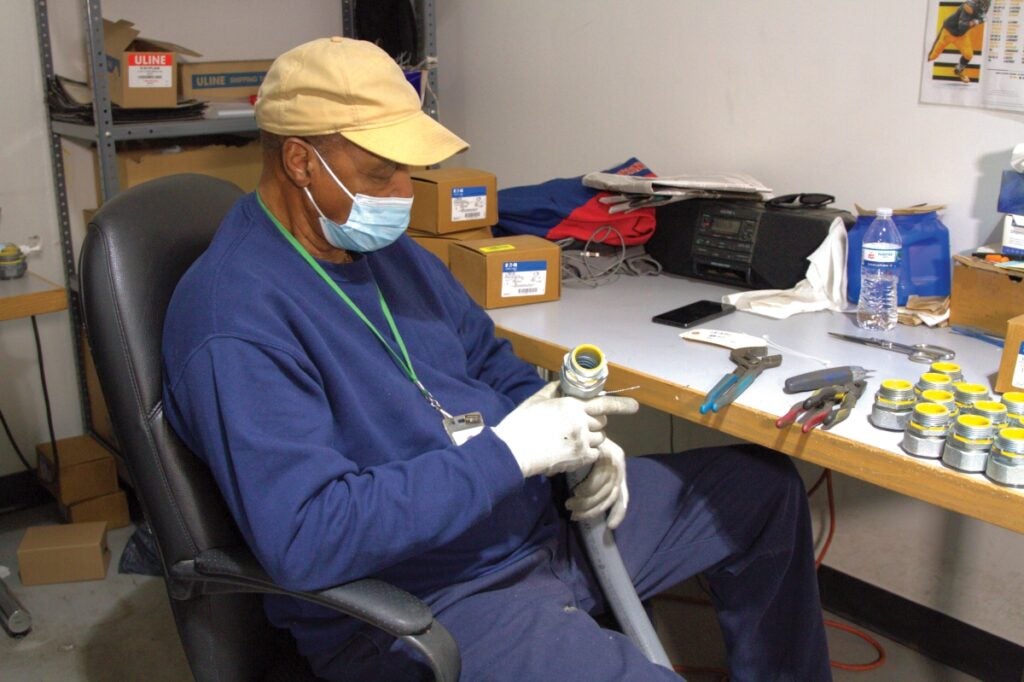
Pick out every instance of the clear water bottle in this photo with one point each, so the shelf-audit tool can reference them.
(879, 273)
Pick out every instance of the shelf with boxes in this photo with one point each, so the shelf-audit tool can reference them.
(126, 152)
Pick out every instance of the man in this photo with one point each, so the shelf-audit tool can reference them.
(956, 31)
(313, 356)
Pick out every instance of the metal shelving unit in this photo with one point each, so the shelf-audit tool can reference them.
(105, 134)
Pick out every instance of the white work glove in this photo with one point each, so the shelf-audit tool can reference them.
(604, 487)
(549, 435)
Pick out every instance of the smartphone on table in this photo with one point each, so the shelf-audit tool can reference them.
(693, 314)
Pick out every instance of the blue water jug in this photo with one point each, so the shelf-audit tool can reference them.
(925, 261)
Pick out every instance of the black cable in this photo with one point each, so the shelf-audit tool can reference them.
(46, 401)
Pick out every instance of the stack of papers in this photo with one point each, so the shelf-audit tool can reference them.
(630, 192)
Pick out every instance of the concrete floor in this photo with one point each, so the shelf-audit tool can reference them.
(120, 628)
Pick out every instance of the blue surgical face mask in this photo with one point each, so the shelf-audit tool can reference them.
(373, 222)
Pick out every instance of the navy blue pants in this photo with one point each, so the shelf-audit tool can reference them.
(737, 514)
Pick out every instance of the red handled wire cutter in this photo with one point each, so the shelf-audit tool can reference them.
(827, 406)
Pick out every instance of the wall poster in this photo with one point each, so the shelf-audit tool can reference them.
(974, 54)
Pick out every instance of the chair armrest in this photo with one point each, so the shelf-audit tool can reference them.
(380, 604)
(373, 601)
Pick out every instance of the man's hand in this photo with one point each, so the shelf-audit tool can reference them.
(549, 435)
(604, 487)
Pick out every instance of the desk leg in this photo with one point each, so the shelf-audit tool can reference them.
(16, 620)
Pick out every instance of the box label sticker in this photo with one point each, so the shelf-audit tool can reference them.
(469, 203)
(496, 248)
(524, 278)
(150, 70)
(247, 79)
(1018, 368)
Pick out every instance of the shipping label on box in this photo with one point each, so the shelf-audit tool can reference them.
(469, 203)
(150, 69)
(222, 81)
(507, 271)
(524, 278)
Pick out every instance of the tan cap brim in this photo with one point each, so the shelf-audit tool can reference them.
(417, 140)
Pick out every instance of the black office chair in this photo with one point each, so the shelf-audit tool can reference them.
(138, 246)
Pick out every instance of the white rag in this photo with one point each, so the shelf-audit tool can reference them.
(823, 287)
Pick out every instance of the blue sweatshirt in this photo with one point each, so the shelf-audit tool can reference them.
(332, 462)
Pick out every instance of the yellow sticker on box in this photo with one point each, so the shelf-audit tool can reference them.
(497, 247)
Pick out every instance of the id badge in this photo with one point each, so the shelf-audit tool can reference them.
(461, 427)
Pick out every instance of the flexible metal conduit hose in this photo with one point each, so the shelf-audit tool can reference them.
(583, 374)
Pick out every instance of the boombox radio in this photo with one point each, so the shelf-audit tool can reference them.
(744, 243)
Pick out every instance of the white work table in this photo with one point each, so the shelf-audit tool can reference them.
(674, 376)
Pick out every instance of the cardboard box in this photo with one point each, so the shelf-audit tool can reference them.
(240, 164)
(438, 244)
(87, 469)
(142, 73)
(62, 554)
(111, 508)
(507, 271)
(985, 296)
(221, 81)
(1011, 366)
(453, 200)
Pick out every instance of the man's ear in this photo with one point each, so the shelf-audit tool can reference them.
(297, 161)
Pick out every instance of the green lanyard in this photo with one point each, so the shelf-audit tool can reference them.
(403, 362)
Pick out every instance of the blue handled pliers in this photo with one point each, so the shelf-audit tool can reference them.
(750, 362)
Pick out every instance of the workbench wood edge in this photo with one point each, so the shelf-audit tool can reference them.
(968, 494)
(42, 296)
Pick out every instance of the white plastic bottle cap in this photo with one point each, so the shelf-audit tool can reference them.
(883, 212)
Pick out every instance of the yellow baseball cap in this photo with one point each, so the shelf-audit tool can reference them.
(354, 88)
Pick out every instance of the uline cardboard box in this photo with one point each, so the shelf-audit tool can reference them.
(222, 81)
(984, 296)
(62, 554)
(508, 271)
(86, 469)
(439, 244)
(453, 200)
(1011, 366)
(142, 73)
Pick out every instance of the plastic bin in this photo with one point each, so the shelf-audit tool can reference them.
(925, 261)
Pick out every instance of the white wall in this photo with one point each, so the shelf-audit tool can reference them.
(804, 96)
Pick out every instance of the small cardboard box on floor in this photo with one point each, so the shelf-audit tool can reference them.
(453, 200)
(985, 296)
(508, 271)
(111, 508)
(63, 554)
(142, 73)
(86, 470)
